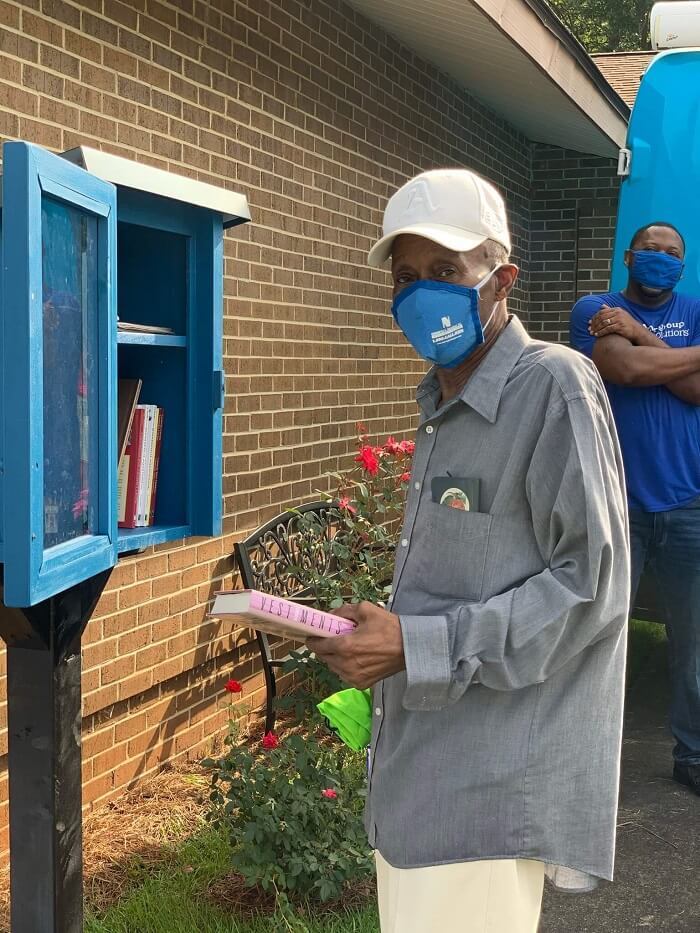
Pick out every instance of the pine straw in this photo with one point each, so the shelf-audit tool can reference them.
(139, 832)
(141, 829)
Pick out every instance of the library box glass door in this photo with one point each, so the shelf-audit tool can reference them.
(59, 238)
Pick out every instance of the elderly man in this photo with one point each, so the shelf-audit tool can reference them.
(499, 670)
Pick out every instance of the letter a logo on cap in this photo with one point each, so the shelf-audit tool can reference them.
(419, 199)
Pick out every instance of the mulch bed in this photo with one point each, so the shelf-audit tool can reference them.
(144, 825)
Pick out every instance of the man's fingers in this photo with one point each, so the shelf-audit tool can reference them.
(328, 647)
(348, 611)
(323, 647)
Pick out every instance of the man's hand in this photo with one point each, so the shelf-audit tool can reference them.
(370, 653)
(617, 321)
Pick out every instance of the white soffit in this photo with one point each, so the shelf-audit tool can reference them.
(511, 59)
(233, 207)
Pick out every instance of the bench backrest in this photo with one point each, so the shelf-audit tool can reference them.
(267, 559)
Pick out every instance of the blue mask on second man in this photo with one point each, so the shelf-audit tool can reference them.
(655, 269)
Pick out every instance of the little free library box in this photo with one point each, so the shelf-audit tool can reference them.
(111, 271)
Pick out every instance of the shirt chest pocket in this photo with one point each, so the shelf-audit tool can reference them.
(452, 548)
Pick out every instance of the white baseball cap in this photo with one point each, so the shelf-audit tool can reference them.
(453, 207)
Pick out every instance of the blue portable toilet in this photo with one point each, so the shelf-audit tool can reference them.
(661, 165)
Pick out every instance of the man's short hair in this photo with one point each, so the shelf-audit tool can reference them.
(657, 223)
(497, 252)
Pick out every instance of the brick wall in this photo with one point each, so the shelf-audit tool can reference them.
(572, 226)
(317, 116)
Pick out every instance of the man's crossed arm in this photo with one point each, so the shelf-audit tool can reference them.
(627, 353)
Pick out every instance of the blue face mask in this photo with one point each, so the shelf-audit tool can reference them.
(441, 321)
(655, 270)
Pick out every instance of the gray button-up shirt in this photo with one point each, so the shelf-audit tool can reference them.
(502, 737)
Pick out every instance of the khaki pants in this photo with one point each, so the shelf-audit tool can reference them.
(503, 896)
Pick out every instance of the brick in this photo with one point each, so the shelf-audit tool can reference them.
(118, 670)
(151, 656)
(133, 137)
(110, 759)
(181, 558)
(181, 601)
(118, 109)
(123, 574)
(99, 78)
(134, 90)
(67, 65)
(9, 15)
(100, 699)
(119, 622)
(41, 133)
(78, 44)
(39, 28)
(137, 683)
(134, 595)
(96, 654)
(14, 99)
(134, 640)
(98, 788)
(121, 13)
(120, 62)
(65, 13)
(96, 742)
(96, 126)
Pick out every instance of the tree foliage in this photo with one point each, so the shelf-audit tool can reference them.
(607, 25)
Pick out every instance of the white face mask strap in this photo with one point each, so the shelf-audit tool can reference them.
(496, 303)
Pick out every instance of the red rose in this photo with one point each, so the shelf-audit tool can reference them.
(392, 446)
(368, 458)
(234, 686)
(329, 793)
(346, 505)
(407, 447)
(405, 477)
(270, 741)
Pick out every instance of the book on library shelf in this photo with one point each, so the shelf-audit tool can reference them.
(131, 328)
(139, 467)
(127, 400)
(277, 616)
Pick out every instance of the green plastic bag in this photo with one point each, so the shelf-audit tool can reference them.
(349, 715)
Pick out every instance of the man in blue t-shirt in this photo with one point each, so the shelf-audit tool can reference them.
(645, 342)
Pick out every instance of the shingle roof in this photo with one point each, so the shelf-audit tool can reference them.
(624, 70)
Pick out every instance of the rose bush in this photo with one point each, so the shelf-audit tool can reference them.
(293, 805)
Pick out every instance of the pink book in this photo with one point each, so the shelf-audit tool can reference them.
(278, 616)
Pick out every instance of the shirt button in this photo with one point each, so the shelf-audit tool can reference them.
(429, 429)
(404, 543)
(378, 711)
(416, 485)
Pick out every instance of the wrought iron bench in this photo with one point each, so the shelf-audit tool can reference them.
(266, 560)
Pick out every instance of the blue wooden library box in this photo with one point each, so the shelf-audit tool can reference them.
(92, 243)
